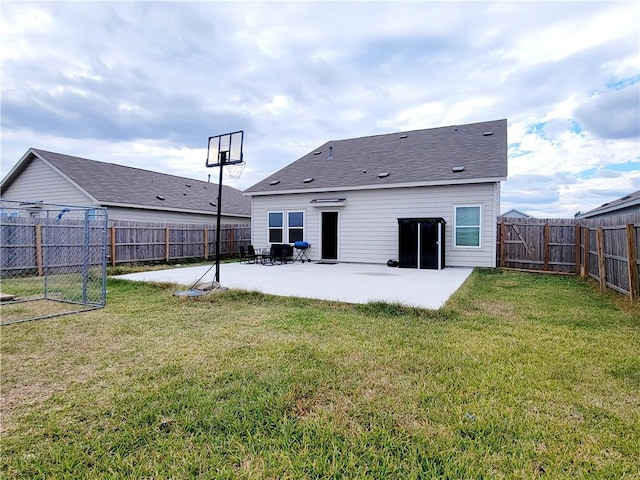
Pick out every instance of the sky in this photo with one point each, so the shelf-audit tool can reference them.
(145, 84)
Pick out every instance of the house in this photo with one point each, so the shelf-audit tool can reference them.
(425, 198)
(513, 213)
(128, 193)
(627, 204)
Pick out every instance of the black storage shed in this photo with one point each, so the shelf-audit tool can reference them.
(421, 243)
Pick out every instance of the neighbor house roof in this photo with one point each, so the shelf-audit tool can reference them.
(513, 213)
(110, 184)
(621, 205)
(471, 153)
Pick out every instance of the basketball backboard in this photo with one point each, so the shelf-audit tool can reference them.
(225, 149)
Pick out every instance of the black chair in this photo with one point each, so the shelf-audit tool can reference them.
(280, 253)
(247, 257)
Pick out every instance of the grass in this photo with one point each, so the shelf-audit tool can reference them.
(518, 376)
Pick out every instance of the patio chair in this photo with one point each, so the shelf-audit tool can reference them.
(280, 253)
(247, 257)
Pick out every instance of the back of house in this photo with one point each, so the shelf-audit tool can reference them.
(424, 198)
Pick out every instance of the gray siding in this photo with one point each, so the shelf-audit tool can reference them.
(160, 216)
(39, 182)
(368, 223)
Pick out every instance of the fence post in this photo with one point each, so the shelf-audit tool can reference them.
(166, 244)
(547, 252)
(631, 259)
(39, 258)
(206, 242)
(501, 240)
(601, 259)
(112, 247)
(578, 266)
(584, 268)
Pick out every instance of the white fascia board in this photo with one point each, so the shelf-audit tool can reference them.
(379, 187)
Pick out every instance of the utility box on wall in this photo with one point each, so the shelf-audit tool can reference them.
(421, 243)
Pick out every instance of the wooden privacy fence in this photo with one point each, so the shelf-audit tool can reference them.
(603, 249)
(133, 242)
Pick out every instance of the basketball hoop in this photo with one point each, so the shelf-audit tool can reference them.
(233, 171)
(224, 151)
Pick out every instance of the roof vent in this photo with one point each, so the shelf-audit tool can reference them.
(188, 185)
(317, 152)
(212, 204)
(274, 182)
(308, 180)
(330, 156)
(458, 169)
(404, 135)
(159, 197)
(383, 175)
(487, 134)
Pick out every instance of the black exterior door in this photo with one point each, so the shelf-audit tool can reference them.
(408, 240)
(429, 245)
(329, 236)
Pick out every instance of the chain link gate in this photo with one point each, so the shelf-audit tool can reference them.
(52, 260)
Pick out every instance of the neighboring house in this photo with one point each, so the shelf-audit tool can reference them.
(625, 205)
(426, 198)
(513, 213)
(128, 193)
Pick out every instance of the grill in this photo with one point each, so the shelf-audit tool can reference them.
(301, 251)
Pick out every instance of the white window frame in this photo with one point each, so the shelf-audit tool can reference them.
(456, 226)
(289, 227)
(285, 228)
(281, 228)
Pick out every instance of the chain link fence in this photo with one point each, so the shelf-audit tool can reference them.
(52, 260)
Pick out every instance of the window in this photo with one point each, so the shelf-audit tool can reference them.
(467, 226)
(275, 227)
(296, 226)
(292, 224)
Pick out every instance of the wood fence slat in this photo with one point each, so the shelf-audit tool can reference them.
(547, 251)
(502, 240)
(577, 235)
(166, 244)
(584, 270)
(601, 260)
(632, 268)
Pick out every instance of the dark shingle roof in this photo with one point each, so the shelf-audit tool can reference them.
(413, 157)
(118, 184)
(626, 201)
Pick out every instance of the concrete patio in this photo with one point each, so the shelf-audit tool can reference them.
(345, 282)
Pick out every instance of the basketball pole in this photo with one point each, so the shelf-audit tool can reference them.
(223, 158)
(226, 153)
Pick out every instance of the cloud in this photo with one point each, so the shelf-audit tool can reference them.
(612, 114)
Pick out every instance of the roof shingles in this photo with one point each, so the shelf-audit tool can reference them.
(413, 157)
(122, 185)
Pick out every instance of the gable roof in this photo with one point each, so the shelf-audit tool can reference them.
(513, 213)
(110, 184)
(623, 203)
(412, 158)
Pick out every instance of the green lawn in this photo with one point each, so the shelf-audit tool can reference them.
(519, 376)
